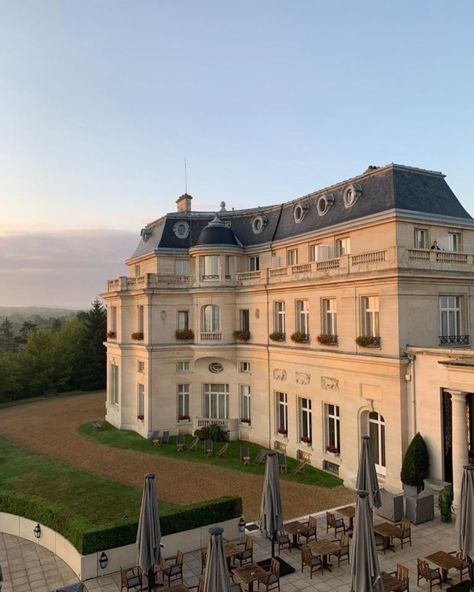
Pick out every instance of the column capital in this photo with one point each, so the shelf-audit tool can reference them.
(455, 394)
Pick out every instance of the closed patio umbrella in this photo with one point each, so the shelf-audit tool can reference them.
(149, 534)
(216, 576)
(271, 513)
(365, 569)
(465, 519)
(367, 475)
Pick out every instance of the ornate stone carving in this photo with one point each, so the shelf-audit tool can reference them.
(279, 374)
(329, 384)
(303, 378)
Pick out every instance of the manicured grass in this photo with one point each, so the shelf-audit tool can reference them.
(111, 436)
(28, 400)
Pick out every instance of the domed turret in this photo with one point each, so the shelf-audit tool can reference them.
(216, 233)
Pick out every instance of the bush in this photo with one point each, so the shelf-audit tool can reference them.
(416, 463)
(299, 337)
(277, 336)
(184, 334)
(212, 432)
(327, 339)
(445, 500)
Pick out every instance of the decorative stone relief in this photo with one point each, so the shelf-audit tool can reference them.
(279, 374)
(303, 378)
(329, 384)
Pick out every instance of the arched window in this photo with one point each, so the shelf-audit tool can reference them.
(377, 440)
(210, 321)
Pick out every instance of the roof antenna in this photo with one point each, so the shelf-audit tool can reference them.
(185, 177)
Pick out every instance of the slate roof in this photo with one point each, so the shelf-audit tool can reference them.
(216, 233)
(391, 187)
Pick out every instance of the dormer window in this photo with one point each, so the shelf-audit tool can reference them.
(351, 195)
(324, 203)
(181, 229)
(299, 212)
(258, 224)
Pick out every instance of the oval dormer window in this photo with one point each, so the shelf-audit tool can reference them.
(181, 229)
(324, 203)
(351, 195)
(216, 367)
(299, 212)
(258, 224)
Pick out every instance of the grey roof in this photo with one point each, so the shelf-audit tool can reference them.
(391, 187)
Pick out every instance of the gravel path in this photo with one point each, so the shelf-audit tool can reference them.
(49, 427)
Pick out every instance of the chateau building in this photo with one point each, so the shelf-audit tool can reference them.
(305, 325)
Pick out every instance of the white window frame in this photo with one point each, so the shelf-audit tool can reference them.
(244, 367)
(140, 399)
(333, 426)
(183, 395)
(291, 257)
(454, 242)
(378, 435)
(281, 411)
(305, 414)
(114, 384)
(279, 316)
(420, 238)
(182, 267)
(182, 321)
(329, 316)
(450, 315)
(254, 263)
(210, 318)
(302, 316)
(141, 366)
(245, 402)
(244, 319)
(210, 267)
(113, 319)
(370, 309)
(183, 366)
(343, 246)
(313, 252)
(140, 318)
(216, 401)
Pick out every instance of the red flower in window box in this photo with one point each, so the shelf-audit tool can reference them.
(305, 439)
(282, 431)
(184, 418)
(141, 417)
(332, 449)
(137, 336)
(111, 335)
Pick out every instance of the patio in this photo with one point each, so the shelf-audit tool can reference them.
(21, 560)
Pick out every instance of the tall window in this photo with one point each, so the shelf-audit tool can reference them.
(183, 366)
(182, 267)
(210, 318)
(343, 246)
(333, 443)
(227, 267)
(305, 413)
(113, 319)
(292, 257)
(454, 241)
(377, 440)
(216, 401)
(114, 384)
(450, 317)
(254, 263)
(279, 314)
(137, 270)
(140, 401)
(421, 238)
(210, 269)
(141, 367)
(282, 413)
(244, 319)
(313, 252)
(245, 410)
(329, 320)
(183, 401)
(370, 316)
(183, 320)
(141, 318)
(302, 316)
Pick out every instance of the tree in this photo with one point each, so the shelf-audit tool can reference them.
(416, 463)
(93, 358)
(7, 338)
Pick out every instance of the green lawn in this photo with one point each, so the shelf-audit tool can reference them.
(131, 440)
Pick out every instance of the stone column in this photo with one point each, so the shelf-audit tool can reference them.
(459, 427)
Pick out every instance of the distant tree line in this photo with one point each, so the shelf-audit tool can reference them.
(67, 355)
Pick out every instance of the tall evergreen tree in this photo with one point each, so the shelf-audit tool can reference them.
(7, 337)
(93, 358)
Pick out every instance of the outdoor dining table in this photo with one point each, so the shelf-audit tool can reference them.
(249, 573)
(348, 512)
(390, 584)
(387, 531)
(293, 528)
(445, 561)
(324, 547)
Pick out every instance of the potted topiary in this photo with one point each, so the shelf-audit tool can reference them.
(445, 500)
(415, 465)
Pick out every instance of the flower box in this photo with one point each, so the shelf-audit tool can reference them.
(245, 420)
(184, 418)
(184, 334)
(331, 449)
(306, 440)
(299, 337)
(368, 341)
(327, 339)
(140, 417)
(138, 336)
(111, 335)
(241, 335)
(282, 431)
(277, 336)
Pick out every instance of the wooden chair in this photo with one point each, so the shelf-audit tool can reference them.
(333, 522)
(208, 447)
(180, 442)
(165, 438)
(131, 578)
(155, 437)
(342, 553)
(300, 467)
(464, 565)
(203, 560)
(272, 580)
(200, 585)
(309, 531)
(283, 541)
(314, 562)
(401, 575)
(174, 571)
(247, 554)
(245, 455)
(425, 572)
(405, 534)
(261, 456)
(223, 451)
(282, 462)
(193, 444)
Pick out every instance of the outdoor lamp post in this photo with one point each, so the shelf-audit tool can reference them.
(103, 560)
(242, 528)
(37, 531)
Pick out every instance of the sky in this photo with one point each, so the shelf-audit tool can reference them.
(101, 102)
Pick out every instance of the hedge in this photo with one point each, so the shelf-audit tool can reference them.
(88, 539)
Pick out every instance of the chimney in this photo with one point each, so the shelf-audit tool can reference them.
(183, 203)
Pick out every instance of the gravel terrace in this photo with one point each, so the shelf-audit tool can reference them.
(49, 427)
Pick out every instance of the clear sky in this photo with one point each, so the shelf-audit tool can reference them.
(268, 100)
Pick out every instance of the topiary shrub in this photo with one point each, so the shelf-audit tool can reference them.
(445, 499)
(212, 432)
(416, 463)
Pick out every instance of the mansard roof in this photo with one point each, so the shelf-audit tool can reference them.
(378, 189)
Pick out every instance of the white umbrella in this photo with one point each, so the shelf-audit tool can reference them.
(149, 534)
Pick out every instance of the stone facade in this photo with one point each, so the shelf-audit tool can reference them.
(289, 325)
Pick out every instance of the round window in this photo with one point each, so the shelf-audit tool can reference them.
(181, 229)
(324, 203)
(216, 367)
(351, 194)
(258, 224)
(299, 212)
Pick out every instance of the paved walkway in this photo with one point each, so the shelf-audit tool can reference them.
(28, 564)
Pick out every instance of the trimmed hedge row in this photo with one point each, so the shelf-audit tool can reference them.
(87, 539)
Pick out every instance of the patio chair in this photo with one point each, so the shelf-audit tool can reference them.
(380, 542)
(300, 467)
(200, 585)
(131, 579)
(203, 559)
(314, 562)
(174, 571)
(342, 553)
(165, 438)
(272, 580)
(155, 435)
(247, 554)
(180, 442)
(208, 447)
(245, 455)
(401, 575)
(309, 531)
(283, 541)
(464, 565)
(260, 458)
(405, 534)
(282, 462)
(336, 523)
(425, 572)
(223, 451)
(193, 444)
(98, 425)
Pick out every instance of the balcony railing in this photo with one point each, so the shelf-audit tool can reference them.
(454, 339)
(230, 425)
(211, 336)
